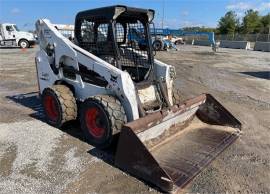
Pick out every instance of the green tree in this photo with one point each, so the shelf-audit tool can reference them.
(265, 20)
(228, 24)
(251, 22)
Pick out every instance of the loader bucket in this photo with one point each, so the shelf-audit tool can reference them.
(170, 147)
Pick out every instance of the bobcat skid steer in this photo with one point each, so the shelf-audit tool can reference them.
(113, 87)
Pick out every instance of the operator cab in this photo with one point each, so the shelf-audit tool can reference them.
(120, 36)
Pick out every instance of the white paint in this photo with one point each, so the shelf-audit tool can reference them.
(147, 94)
(169, 121)
(122, 86)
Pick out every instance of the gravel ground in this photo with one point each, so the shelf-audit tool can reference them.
(37, 158)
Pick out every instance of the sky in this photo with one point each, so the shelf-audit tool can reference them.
(177, 13)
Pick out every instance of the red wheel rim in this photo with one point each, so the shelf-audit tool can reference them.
(93, 119)
(51, 108)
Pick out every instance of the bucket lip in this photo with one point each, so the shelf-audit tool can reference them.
(155, 118)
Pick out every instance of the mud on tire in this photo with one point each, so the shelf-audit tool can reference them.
(64, 105)
(113, 118)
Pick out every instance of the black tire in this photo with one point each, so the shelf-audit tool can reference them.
(24, 44)
(176, 96)
(101, 117)
(178, 42)
(59, 105)
(157, 45)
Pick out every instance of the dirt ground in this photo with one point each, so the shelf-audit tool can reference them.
(37, 158)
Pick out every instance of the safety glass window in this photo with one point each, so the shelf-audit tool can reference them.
(102, 32)
(120, 34)
(87, 31)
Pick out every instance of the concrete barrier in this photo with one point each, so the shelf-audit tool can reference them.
(189, 41)
(234, 44)
(262, 46)
(202, 42)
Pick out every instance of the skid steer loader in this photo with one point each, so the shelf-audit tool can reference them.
(113, 87)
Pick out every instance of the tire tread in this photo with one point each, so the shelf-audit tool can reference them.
(114, 109)
(67, 102)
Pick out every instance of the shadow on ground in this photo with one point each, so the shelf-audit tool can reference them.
(33, 101)
(72, 128)
(258, 74)
(30, 100)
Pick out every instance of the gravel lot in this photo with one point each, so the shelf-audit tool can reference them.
(37, 158)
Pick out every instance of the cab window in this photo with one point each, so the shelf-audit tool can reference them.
(9, 28)
(102, 32)
(87, 31)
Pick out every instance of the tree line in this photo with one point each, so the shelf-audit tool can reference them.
(251, 23)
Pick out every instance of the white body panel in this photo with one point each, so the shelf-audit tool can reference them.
(120, 83)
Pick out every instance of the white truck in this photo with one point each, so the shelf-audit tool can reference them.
(11, 36)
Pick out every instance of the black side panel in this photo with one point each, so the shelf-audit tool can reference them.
(92, 77)
(87, 75)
